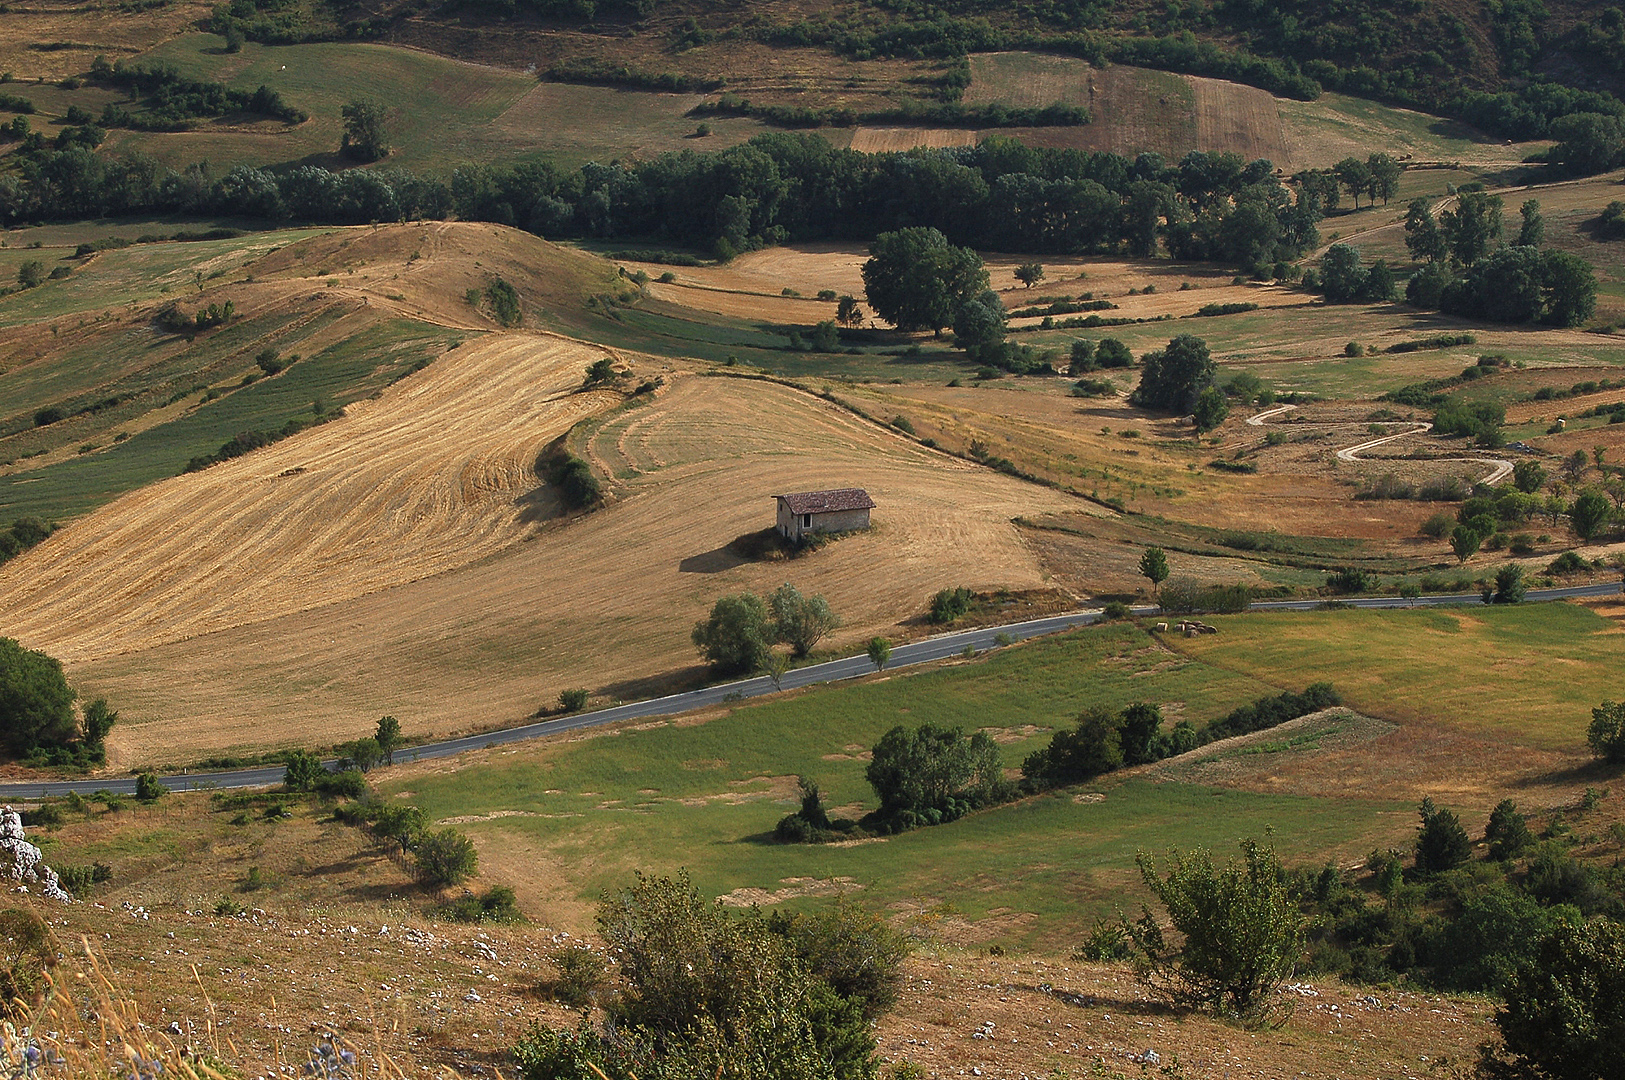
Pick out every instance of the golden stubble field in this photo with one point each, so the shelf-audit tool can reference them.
(256, 604)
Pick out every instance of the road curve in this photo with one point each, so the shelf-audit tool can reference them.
(918, 652)
(1502, 470)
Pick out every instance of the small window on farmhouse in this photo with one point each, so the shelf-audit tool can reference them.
(806, 521)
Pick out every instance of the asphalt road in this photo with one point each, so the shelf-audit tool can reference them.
(919, 652)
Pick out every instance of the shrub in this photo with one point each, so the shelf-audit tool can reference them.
(1239, 930)
(498, 904)
(950, 604)
(577, 485)
(446, 857)
(1562, 1013)
(1510, 587)
(572, 700)
(857, 953)
(1568, 563)
(304, 769)
(1439, 525)
(148, 788)
(344, 784)
(579, 973)
(1606, 735)
(1116, 609)
(1351, 580)
(30, 274)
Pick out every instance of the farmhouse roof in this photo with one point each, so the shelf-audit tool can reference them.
(828, 502)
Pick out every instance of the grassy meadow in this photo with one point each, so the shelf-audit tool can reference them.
(1528, 675)
(581, 815)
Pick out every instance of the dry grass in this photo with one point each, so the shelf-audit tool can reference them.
(55, 38)
(875, 140)
(318, 632)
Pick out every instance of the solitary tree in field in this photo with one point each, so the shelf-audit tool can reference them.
(1238, 932)
(1030, 274)
(1154, 565)
(364, 136)
(879, 652)
(848, 312)
(918, 281)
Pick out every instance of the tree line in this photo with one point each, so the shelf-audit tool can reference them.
(777, 187)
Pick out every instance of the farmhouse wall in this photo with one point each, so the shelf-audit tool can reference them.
(840, 521)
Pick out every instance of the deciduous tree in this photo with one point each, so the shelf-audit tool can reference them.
(918, 281)
(1238, 932)
(36, 702)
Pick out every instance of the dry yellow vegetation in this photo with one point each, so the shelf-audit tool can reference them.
(241, 607)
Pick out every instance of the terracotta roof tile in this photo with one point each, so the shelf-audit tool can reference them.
(828, 502)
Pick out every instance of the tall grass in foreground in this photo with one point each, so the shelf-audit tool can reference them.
(85, 1026)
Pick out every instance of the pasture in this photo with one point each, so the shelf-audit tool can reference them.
(701, 792)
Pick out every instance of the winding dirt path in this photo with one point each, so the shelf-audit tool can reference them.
(1502, 470)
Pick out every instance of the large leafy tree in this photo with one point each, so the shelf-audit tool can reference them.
(918, 281)
(36, 702)
(737, 635)
(1472, 228)
(1564, 1016)
(800, 621)
(1172, 378)
(924, 768)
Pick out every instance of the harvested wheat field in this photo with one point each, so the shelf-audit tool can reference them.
(605, 601)
(1236, 118)
(875, 140)
(805, 268)
(429, 477)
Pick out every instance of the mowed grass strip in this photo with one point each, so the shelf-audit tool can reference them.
(1528, 674)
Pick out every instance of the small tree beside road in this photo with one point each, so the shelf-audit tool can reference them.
(1154, 566)
(879, 652)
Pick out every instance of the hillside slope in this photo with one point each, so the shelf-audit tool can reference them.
(307, 580)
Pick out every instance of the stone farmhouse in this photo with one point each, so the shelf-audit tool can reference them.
(806, 512)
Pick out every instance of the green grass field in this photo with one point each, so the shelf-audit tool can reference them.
(1528, 674)
(442, 113)
(670, 795)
